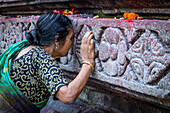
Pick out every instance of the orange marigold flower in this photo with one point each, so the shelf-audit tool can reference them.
(132, 15)
(125, 15)
(66, 12)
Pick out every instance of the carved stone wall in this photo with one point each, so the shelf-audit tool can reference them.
(13, 30)
(131, 56)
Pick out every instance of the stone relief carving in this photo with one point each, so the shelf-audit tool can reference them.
(67, 59)
(13, 31)
(132, 55)
(97, 31)
(148, 58)
(111, 52)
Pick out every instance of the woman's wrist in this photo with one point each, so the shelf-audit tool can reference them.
(87, 67)
(89, 64)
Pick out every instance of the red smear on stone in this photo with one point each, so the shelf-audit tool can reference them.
(111, 50)
(131, 24)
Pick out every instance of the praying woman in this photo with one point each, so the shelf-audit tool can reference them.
(30, 73)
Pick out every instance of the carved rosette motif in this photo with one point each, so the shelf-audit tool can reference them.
(111, 52)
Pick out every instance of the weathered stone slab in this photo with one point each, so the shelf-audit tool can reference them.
(129, 54)
(132, 54)
(13, 30)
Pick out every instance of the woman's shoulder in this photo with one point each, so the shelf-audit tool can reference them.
(40, 54)
(24, 52)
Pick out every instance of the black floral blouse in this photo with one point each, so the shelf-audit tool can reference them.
(37, 74)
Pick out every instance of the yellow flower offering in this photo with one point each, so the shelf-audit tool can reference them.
(125, 15)
(131, 15)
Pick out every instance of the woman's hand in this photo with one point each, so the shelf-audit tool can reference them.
(68, 94)
(87, 48)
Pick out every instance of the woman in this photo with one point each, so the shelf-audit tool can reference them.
(30, 73)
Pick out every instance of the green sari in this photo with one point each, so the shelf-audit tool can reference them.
(11, 98)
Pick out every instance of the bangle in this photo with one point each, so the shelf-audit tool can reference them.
(86, 62)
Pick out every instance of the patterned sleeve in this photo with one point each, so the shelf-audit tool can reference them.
(51, 74)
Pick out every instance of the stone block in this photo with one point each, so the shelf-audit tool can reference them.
(14, 29)
(131, 55)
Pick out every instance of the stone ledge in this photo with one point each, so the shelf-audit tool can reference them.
(132, 56)
(79, 106)
(119, 99)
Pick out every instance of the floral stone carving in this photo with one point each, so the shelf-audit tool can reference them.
(111, 52)
(148, 58)
(131, 55)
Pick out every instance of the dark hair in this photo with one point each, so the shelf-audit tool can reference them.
(47, 27)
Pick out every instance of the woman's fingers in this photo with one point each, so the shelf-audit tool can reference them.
(92, 43)
(92, 48)
(86, 36)
(87, 47)
(89, 38)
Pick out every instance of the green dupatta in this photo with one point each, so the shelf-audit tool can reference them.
(11, 97)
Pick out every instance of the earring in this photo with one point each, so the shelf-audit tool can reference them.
(56, 47)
